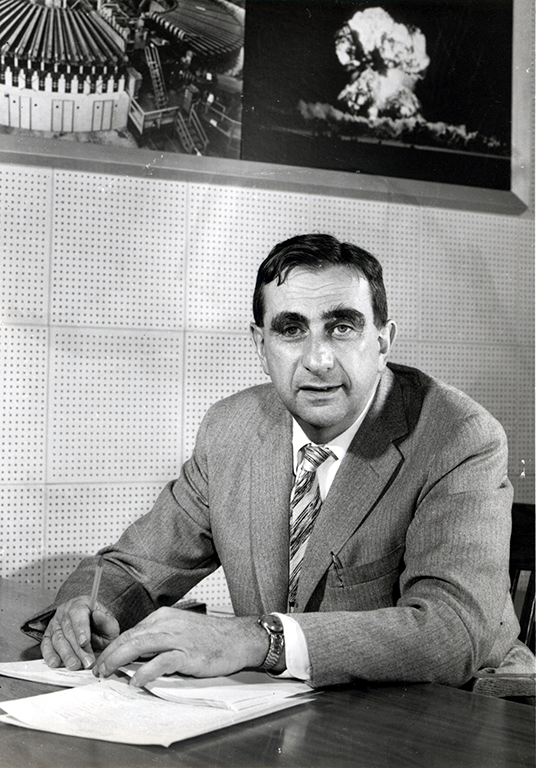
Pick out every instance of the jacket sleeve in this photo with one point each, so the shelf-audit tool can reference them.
(454, 613)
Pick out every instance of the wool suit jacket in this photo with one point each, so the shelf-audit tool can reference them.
(405, 577)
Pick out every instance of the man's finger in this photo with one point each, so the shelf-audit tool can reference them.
(127, 648)
(65, 638)
(63, 647)
(78, 620)
(51, 658)
(162, 664)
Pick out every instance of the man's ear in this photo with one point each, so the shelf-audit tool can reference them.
(386, 339)
(257, 334)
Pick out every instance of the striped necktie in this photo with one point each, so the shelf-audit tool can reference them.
(305, 503)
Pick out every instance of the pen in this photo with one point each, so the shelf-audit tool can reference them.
(338, 567)
(96, 584)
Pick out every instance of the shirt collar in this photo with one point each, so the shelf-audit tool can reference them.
(339, 445)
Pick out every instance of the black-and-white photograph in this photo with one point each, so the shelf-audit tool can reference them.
(267, 375)
(158, 74)
(413, 88)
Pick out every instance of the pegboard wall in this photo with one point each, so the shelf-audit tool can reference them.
(126, 304)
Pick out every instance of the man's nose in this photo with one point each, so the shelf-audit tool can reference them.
(318, 356)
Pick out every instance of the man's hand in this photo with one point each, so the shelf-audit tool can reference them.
(186, 642)
(74, 634)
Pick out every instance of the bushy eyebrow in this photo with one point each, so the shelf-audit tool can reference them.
(282, 319)
(345, 314)
(339, 314)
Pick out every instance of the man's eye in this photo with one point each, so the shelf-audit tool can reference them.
(342, 330)
(291, 331)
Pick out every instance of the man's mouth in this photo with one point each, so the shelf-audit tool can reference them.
(324, 388)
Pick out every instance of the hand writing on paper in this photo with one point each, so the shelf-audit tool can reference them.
(186, 642)
(75, 633)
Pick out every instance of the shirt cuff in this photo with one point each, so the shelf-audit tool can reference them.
(296, 652)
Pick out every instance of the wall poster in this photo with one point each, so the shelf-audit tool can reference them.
(414, 89)
(417, 89)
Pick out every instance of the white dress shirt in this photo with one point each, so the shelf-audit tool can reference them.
(296, 653)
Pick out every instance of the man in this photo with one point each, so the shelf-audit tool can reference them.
(403, 573)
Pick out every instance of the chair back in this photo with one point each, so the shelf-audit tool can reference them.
(522, 546)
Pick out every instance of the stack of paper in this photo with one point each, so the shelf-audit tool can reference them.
(38, 672)
(236, 692)
(176, 708)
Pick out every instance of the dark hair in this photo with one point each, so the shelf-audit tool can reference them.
(316, 252)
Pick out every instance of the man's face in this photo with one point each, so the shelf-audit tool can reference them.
(321, 348)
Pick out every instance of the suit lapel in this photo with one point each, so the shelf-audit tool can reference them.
(271, 481)
(368, 468)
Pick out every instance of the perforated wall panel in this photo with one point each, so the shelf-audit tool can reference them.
(118, 251)
(523, 237)
(472, 270)
(115, 406)
(25, 226)
(21, 533)
(23, 368)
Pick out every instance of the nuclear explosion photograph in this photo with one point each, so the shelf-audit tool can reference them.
(413, 88)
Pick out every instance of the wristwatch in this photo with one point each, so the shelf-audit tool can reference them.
(273, 625)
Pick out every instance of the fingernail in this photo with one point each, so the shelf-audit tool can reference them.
(88, 662)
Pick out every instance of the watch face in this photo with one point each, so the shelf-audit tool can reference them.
(272, 623)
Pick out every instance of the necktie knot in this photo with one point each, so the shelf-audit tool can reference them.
(314, 456)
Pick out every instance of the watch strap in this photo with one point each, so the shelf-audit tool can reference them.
(274, 627)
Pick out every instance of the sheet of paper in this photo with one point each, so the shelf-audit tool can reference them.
(38, 672)
(236, 692)
(114, 711)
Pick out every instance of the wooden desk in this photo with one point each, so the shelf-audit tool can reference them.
(402, 726)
